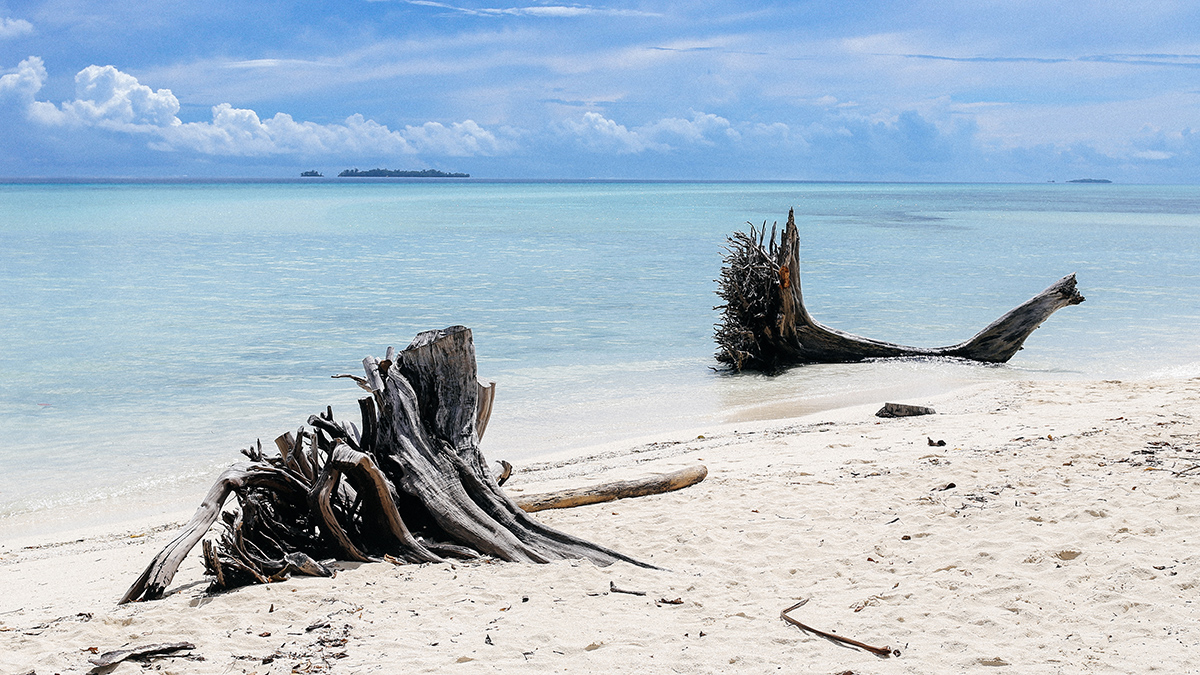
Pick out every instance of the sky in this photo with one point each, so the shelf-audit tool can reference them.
(922, 90)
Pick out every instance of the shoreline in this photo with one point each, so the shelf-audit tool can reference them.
(1065, 545)
(129, 508)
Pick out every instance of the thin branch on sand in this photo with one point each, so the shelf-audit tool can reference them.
(885, 652)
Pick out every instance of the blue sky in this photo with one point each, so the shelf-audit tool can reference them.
(923, 90)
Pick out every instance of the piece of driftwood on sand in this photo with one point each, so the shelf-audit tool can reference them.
(142, 653)
(410, 484)
(607, 492)
(765, 327)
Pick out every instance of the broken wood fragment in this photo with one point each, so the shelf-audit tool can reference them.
(904, 410)
(607, 492)
(765, 327)
(612, 588)
(118, 655)
(506, 469)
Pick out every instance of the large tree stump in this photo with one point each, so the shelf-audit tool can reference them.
(765, 326)
(410, 484)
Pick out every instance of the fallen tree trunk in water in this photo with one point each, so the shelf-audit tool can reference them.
(410, 484)
(765, 326)
(607, 492)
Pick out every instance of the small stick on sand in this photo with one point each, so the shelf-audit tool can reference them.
(612, 588)
(878, 651)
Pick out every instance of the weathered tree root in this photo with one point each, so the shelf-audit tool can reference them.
(765, 326)
(411, 485)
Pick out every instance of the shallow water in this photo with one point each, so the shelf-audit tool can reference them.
(152, 329)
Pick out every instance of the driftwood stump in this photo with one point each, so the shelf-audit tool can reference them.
(410, 484)
(765, 326)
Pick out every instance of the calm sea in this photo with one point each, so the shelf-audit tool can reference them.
(147, 331)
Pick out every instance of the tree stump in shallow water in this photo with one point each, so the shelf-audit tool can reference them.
(765, 326)
(410, 484)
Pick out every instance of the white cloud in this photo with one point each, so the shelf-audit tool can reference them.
(25, 83)
(703, 129)
(463, 139)
(598, 133)
(11, 28)
(274, 63)
(535, 10)
(107, 98)
(21, 87)
(240, 132)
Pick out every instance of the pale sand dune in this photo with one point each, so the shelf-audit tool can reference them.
(1063, 548)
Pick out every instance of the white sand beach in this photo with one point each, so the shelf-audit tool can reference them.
(1067, 543)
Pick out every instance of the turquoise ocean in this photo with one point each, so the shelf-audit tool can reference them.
(150, 330)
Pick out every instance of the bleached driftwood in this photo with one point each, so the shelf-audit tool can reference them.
(409, 484)
(765, 326)
(607, 492)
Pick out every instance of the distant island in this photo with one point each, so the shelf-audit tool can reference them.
(312, 174)
(1090, 180)
(394, 173)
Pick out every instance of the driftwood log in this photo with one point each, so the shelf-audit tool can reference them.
(904, 410)
(410, 483)
(607, 492)
(765, 327)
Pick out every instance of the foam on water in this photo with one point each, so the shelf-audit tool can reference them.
(151, 330)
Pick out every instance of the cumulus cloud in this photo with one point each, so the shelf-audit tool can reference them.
(11, 28)
(23, 84)
(463, 139)
(598, 133)
(104, 96)
(18, 90)
(107, 98)
(703, 128)
(240, 132)
(836, 142)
